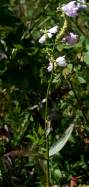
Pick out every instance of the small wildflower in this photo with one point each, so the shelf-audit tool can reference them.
(53, 30)
(71, 38)
(71, 9)
(82, 4)
(42, 39)
(50, 67)
(44, 100)
(61, 61)
(48, 34)
(2, 56)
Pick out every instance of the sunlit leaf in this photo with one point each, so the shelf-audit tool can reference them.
(61, 142)
(86, 58)
(81, 80)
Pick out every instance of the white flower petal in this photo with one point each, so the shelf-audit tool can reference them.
(42, 39)
(50, 67)
(61, 61)
(53, 30)
(49, 35)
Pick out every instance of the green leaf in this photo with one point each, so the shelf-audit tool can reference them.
(55, 148)
(70, 67)
(86, 57)
(57, 174)
(81, 80)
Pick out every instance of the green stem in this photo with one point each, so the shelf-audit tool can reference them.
(63, 30)
(47, 136)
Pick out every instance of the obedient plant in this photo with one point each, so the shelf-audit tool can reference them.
(82, 4)
(48, 34)
(53, 30)
(70, 38)
(50, 67)
(72, 8)
(61, 61)
(42, 121)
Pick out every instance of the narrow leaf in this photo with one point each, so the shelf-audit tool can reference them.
(55, 148)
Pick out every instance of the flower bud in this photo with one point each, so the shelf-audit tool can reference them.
(61, 61)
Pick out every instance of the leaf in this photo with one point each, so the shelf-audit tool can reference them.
(22, 128)
(70, 67)
(86, 57)
(81, 80)
(55, 148)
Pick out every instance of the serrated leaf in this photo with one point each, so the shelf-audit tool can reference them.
(55, 148)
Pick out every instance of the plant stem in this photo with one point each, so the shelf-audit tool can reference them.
(63, 29)
(46, 126)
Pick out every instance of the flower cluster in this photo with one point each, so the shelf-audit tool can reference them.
(60, 61)
(72, 8)
(48, 34)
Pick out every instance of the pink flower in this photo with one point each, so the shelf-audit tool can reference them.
(70, 9)
(71, 38)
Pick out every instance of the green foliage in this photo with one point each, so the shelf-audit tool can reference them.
(54, 149)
